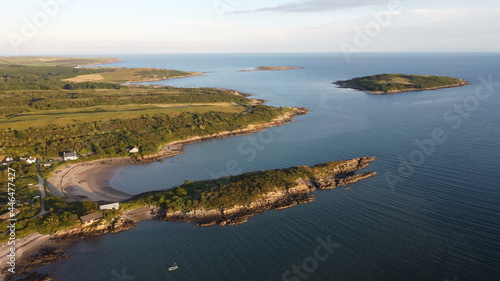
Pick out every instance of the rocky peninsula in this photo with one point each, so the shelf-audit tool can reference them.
(233, 201)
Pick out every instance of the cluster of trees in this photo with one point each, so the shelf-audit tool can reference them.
(91, 85)
(232, 191)
(389, 82)
(161, 73)
(20, 77)
(111, 138)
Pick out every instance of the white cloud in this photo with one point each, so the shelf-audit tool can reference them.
(315, 6)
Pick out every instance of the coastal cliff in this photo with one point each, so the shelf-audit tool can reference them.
(323, 177)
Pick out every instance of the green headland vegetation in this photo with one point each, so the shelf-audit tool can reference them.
(51, 105)
(396, 83)
(46, 110)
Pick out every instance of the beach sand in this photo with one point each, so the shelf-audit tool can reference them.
(87, 181)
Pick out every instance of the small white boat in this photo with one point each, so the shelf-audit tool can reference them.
(174, 267)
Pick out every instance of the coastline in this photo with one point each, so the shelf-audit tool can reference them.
(38, 250)
(192, 74)
(90, 180)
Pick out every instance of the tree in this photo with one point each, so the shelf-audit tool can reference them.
(89, 206)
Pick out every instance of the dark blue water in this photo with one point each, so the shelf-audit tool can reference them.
(431, 214)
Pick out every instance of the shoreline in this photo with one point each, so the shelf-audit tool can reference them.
(37, 250)
(40, 250)
(90, 180)
(192, 74)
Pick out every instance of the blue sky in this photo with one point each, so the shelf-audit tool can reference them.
(234, 26)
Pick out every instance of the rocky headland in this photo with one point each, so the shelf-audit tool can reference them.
(301, 192)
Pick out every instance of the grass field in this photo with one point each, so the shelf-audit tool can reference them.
(53, 61)
(395, 80)
(131, 75)
(103, 113)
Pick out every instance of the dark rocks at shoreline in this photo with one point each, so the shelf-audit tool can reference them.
(41, 258)
(34, 276)
(76, 234)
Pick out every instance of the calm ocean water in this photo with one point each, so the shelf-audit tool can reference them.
(436, 218)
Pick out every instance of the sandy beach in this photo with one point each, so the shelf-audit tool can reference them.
(87, 181)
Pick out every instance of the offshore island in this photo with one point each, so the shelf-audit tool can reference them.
(397, 83)
(271, 68)
(66, 129)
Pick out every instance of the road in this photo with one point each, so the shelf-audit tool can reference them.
(41, 187)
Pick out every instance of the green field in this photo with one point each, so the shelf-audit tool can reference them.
(44, 118)
(130, 75)
(396, 82)
(54, 61)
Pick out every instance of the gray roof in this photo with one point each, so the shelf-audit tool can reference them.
(91, 216)
(69, 154)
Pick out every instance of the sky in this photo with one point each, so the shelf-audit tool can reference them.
(58, 27)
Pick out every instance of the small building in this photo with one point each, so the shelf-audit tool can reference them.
(111, 206)
(28, 159)
(70, 156)
(133, 149)
(90, 218)
(46, 164)
(31, 160)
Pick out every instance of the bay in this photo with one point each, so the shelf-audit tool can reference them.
(439, 221)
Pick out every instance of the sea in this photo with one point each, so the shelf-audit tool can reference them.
(432, 212)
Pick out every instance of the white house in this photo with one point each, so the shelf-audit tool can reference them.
(70, 156)
(31, 160)
(8, 159)
(133, 149)
(115, 206)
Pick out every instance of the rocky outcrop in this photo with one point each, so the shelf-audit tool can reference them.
(43, 257)
(90, 232)
(327, 177)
